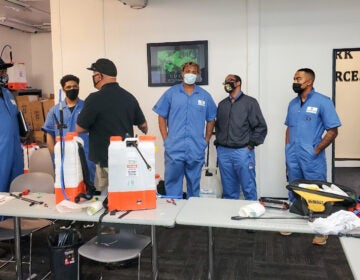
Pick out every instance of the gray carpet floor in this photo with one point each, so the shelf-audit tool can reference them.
(183, 254)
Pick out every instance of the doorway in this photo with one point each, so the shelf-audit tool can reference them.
(346, 95)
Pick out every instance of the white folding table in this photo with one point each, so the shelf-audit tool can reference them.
(164, 215)
(212, 212)
(351, 248)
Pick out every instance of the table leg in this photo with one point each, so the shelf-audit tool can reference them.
(17, 229)
(211, 255)
(155, 270)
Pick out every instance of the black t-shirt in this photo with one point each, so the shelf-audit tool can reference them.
(111, 111)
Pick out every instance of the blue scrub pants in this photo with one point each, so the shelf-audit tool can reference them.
(175, 170)
(237, 170)
(302, 163)
(11, 165)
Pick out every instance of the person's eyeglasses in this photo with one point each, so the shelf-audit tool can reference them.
(230, 81)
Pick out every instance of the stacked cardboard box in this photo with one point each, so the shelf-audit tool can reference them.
(35, 112)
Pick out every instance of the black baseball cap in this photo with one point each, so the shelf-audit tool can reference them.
(4, 65)
(104, 66)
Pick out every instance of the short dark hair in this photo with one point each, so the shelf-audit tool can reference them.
(238, 79)
(190, 63)
(67, 78)
(308, 71)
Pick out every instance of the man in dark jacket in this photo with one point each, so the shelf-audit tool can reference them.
(240, 126)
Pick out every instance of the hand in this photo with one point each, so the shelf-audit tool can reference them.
(143, 127)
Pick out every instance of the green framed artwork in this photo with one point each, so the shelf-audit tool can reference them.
(165, 61)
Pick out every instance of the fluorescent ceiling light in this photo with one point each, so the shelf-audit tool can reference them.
(23, 28)
(18, 3)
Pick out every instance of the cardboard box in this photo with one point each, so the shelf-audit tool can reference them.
(38, 136)
(47, 104)
(37, 115)
(28, 98)
(23, 103)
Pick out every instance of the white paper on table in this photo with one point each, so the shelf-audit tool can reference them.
(252, 210)
(5, 198)
(67, 206)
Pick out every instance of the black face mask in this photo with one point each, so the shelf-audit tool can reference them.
(4, 79)
(297, 88)
(229, 87)
(72, 94)
(93, 78)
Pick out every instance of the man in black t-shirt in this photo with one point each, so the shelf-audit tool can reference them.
(111, 111)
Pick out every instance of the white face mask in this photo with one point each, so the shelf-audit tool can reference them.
(189, 78)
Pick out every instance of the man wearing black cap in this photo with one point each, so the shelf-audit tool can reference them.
(11, 159)
(108, 112)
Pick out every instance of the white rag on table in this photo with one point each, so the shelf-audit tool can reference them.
(339, 222)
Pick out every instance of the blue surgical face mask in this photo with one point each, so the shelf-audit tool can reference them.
(189, 78)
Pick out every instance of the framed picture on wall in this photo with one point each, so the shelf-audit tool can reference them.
(165, 60)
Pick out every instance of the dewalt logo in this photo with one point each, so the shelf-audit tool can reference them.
(313, 201)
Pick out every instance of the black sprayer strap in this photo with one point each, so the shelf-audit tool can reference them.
(148, 166)
(134, 144)
(90, 189)
(106, 207)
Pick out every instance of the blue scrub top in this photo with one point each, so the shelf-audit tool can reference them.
(69, 119)
(308, 122)
(11, 155)
(186, 117)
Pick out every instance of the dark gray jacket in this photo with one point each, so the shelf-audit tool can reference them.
(240, 124)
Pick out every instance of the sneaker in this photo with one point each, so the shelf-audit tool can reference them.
(285, 233)
(320, 240)
(68, 225)
(88, 225)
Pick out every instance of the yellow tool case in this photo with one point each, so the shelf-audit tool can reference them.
(319, 198)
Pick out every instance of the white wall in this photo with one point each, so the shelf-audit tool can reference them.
(110, 29)
(35, 51)
(294, 35)
(264, 41)
(41, 72)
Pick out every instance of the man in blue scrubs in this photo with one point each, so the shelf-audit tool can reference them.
(71, 106)
(309, 115)
(11, 155)
(186, 115)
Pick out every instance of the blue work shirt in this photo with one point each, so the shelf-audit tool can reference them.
(11, 160)
(186, 116)
(70, 118)
(308, 122)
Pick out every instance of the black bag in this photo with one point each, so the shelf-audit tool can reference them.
(161, 187)
(63, 246)
(23, 127)
(317, 198)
